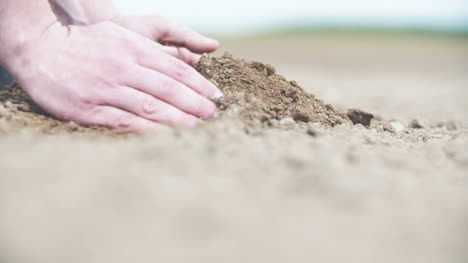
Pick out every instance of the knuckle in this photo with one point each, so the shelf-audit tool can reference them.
(180, 69)
(150, 106)
(91, 96)
(125, 120)
(87, 116)
(114, 66)
(168, 88)
(85, 102)
(131, 45)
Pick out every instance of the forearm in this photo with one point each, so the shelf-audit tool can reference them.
(22, 22)
(83, 12)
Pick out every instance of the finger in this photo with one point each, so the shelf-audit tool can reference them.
(183, 36)
(179, 71)
(119, 119)
(170, 50)
(183, 54)
(188, 56)
(172, 92)
(148, 107)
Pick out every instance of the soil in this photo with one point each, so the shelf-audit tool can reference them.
(253, 94)
(257, 93)
(275, 179)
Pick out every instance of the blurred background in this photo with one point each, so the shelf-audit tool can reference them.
(260, 16)
(401, 59)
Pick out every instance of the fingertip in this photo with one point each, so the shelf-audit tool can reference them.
(218, 94)
(211, 44)
(195, 59)
(215, 42)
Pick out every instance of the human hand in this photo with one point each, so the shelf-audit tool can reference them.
(105, 75)
(188, 44)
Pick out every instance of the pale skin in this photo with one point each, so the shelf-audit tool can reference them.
(81, 61)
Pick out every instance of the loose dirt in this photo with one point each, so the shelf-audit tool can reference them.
(254, 95)
(257, 93)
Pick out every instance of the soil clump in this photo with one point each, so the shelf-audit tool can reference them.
(256, 93)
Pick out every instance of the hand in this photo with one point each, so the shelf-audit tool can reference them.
(187, 43)
(106, 75)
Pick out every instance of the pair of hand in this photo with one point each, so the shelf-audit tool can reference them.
(118, 74)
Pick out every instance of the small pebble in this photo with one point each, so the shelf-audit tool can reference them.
(3, 111)
(287, 123)
(312, 132)
(416, 124)
(396, 127)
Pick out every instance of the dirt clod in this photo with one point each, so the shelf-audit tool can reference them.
(416, 124)
(358, 116)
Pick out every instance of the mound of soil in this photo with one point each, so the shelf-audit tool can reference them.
(256, 92)
(253, 94)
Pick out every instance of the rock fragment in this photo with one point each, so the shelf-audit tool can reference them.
(358, 116)
(287, 123)
(3, 111)
(395, 127)
(416, 124)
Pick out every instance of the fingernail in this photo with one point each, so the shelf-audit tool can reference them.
(196, 59)
(218, 95)
(215, 115)
(213, 41)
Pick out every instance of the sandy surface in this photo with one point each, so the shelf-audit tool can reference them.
(219, 194)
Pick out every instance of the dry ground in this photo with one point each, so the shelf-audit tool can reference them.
(217, 194)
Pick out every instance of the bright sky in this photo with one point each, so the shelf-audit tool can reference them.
(250, 15)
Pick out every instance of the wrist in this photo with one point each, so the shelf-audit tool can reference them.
(21, 27)
(83, 12)
(26, 57)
